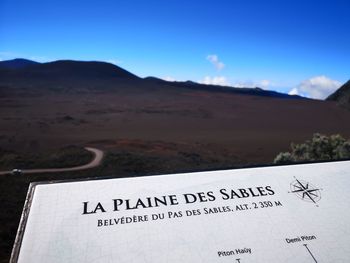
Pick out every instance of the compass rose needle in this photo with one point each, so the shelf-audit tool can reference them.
(301, 185)
(304, 189)
(300, 189)
(308, 195)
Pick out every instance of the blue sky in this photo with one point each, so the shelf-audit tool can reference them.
(301, 47)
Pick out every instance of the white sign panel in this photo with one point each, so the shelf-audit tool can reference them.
(298, 213)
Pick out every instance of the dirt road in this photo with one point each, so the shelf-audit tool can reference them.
(98, 157)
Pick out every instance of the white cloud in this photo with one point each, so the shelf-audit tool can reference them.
(223, 81)
(168, 78)
(293, 91)
(214, 59)
(264, 84)
(318, 87)
(218, 80)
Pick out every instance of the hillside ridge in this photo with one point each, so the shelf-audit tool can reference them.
(341, 96)
(76, 75)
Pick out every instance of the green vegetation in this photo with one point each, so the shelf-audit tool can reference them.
(319, 148)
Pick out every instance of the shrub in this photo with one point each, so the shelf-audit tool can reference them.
(284, 158)
(319, 148)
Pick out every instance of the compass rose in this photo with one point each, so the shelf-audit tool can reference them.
(305, 191)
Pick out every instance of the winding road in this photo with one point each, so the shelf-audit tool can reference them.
(98, 157)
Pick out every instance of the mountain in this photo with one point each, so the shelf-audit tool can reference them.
(221, 89)
(49, 105)
(342, 96)
(226, 89)
(65, 76)
(78, 69)
(17, 63)
(64, 69)
(75, 76)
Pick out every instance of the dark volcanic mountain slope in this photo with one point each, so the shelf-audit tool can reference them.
(225, 89)
(65, 75)
(78, 76)
(68, 69)
(67, 102)
(80, 69)
(17, 63)
(194, 86)
(342, 96)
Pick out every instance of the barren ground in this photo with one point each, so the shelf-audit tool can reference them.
(161, 131)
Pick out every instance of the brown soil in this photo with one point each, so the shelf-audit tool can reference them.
(253, 128)
(153, 132)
